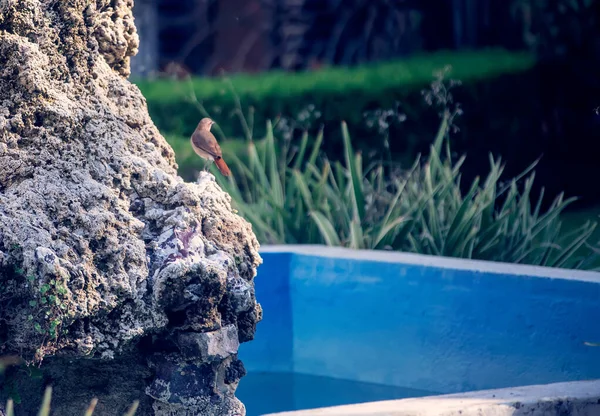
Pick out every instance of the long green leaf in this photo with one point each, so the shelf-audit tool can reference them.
(274, 175)
(257, 167)
(10, 408)
(441, 134)
(358, 199)
(301, 151)
(326, 228)
(303, 189)
(316, 148)
(387, 229)
(461, 220)
(356, 236)
(45, 409)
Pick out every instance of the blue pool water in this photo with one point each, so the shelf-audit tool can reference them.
(277, 392)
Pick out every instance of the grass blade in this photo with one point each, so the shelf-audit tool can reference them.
(133, 408)
(386, 229)
(303, 189)
(441, 134)
(45, 409)
(301, 151)
(326, 228)
(316, 148)
(461, 220)
(10, 408)
(358, 199)
(356, 236)
(91, 407)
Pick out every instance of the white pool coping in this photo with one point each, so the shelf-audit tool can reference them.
(435, 261)
(580, 398)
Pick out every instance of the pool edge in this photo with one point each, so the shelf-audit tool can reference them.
(454, 263)
(577, 398)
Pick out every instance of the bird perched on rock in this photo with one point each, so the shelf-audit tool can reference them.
(205, 145)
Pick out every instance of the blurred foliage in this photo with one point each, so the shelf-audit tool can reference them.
(565, 36)
(46, 401)
(365, 97)
(558, 28)
(291, 197)
(411, 72)
(296, 195)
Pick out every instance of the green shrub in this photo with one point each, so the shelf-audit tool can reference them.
(363, 97)
(296, 195)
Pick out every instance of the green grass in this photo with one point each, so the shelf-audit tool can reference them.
(414, 71)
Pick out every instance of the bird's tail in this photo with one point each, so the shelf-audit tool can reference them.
(222, 166)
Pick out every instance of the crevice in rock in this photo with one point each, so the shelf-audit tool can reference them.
(177, 319)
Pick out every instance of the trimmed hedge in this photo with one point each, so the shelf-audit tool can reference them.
(337, 94)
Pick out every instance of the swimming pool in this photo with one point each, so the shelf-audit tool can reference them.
(397, 324)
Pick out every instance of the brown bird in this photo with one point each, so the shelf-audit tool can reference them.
(205, 145)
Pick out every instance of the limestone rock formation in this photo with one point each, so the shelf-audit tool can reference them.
(112, 268)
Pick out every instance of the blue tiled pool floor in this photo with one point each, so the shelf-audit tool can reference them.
(277, 392)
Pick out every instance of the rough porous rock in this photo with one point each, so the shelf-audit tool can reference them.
(108, 259)
(210, 346)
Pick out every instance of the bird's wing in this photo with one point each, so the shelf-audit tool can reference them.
(206, 141)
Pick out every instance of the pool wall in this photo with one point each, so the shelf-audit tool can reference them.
(423, 322)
